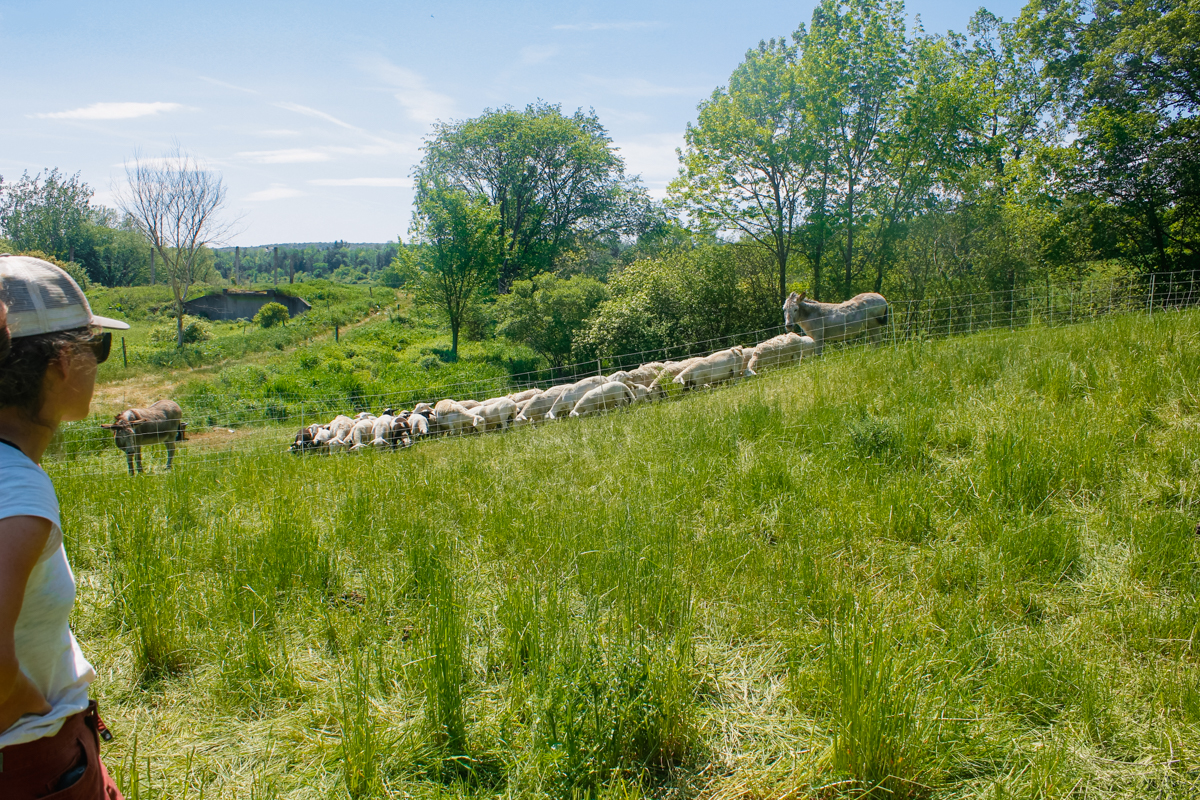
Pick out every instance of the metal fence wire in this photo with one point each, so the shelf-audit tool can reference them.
(83, 448)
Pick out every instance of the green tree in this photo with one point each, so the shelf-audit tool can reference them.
(855, 66)
(547, 311)
(748, 158)
(550, 177)
(703, 293)
(272, 314)
(46, 213)
(1128, 73)
(458, 246)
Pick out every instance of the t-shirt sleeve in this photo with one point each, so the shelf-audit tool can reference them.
(26, 491)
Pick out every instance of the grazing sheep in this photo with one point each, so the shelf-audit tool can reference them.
(521, 397)
(496, 413)
(721, 366)
(595, 380)
(833, 322)
(360, 435)
(602, 398)
(658, 387)
(382, 435)
(470, 404)
(535, 408)
(453, 418)
(622, 376)
(322, 439)
(646, 373)
(780, 351)
(569, 397)
(418, 425)
(641, 394)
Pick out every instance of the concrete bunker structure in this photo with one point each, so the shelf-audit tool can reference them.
(242, 305)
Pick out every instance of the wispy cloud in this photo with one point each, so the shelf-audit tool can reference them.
(112, 111)
(653, 157)
(312, 112)
(235, 87)
(537, 54)
(405, 183)
(422, 103)
(277, 191)
(640, 87)
(608, 26)
(277, 132)
(293, 155)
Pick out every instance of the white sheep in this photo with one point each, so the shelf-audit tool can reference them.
(602, 398)
(497, 412)
(780, 351)
(721, 366)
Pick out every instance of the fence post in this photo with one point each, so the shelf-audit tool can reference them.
(1150, 297)
(124, 354)
(599, 368)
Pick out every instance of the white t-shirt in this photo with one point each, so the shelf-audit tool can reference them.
(46, 648)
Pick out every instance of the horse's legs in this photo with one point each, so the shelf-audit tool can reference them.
(170, 453)
(129, 460)
(137, 454)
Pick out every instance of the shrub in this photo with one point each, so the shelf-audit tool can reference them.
(694, 295)
(547, 311)
(272, 314)
(195, 330)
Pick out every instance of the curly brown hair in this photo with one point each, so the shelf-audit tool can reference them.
(23, 363)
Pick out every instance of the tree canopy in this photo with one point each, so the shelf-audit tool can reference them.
(552, 178)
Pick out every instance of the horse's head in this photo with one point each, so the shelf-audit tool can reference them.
(791, 309)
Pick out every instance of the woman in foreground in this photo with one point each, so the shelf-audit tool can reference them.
(50, 346)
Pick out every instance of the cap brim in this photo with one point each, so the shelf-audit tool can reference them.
(105, 322)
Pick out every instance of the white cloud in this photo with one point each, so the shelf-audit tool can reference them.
(294, 155)
(216, 82)
(405, 183)
(640, 87)
(112, 111)
(423, 104)
(653, 157)
(608, 26)
(312, 112)
(278, 132)
(537, 54)
(277, 192)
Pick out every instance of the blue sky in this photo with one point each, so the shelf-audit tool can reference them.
(314, 113)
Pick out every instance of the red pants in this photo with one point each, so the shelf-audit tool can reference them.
(35, 769)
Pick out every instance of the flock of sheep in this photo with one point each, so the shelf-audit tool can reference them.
(592, 395)
(821, 322)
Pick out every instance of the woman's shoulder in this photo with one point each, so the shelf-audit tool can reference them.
(25, 485)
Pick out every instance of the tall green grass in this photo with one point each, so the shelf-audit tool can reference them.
(963, 568)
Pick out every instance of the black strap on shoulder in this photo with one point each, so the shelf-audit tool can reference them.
(13, 446)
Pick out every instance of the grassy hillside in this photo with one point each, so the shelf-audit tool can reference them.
(386, 353)
(964, 568)
(150, 344)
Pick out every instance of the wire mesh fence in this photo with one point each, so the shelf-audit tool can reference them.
(267, 427)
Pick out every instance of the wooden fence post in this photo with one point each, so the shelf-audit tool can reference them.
(124, 355)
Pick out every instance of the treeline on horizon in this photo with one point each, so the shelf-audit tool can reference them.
(856, 154)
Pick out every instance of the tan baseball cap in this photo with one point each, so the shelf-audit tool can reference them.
(43, 298)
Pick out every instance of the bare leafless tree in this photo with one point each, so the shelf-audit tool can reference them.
(175, 202)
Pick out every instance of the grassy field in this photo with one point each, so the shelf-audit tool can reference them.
(963, 568)
(245, 375)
